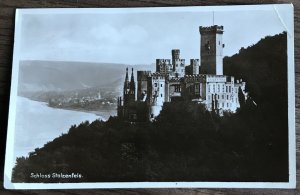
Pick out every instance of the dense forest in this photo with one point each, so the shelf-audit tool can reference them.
(185, 142)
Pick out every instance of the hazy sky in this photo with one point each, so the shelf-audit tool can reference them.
(139, 38)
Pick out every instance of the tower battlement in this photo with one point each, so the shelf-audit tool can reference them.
(211, 29)
(194, 61)
(194, 78)
(157, 75)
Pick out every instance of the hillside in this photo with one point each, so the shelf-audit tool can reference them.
(264, 67)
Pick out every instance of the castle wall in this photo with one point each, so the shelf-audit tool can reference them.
(219, 54)
(167, 91)
(175, 88)
(156, 93)
(207, 54)
(193, 86)
(223, 91)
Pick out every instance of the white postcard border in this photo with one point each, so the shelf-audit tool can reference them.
(9, 161)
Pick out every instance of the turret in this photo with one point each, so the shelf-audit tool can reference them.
(132, 88)
(194, 66)
(178, 64)
(132, 83)
(126, 88)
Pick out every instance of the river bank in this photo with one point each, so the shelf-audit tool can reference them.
(36, 124)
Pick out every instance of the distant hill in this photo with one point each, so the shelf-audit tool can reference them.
(46, 76)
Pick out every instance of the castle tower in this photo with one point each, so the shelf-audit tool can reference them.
(211, 50)
(195, 66)
(175, 55)
(164, 66)
(142, 79)
(178, 64)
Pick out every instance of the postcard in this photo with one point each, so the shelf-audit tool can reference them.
(165, 97)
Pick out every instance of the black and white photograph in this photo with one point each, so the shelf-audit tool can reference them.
(152, 98)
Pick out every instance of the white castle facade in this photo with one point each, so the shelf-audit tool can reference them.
(201, 80)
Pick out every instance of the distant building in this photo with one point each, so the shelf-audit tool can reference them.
(201, 81)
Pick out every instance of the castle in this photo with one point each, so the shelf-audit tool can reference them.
(201, 81)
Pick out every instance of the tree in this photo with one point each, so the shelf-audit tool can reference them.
(241, 97)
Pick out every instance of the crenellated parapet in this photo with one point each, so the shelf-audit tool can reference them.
(158, 76)
(194, 78)
(211, 29)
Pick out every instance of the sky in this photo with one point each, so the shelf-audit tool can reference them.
(140, 37)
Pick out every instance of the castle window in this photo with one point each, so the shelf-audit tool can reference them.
(223, 105)
(229, 89)
(177, 88)
(161, 95)
(152, 115)
(207, 46)
(197, 88)
(226, 89)
(155, 84)
(161, 85)
(227, 105)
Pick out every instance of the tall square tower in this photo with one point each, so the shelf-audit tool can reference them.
(211, 50)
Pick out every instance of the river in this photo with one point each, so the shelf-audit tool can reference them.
(37, 124)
